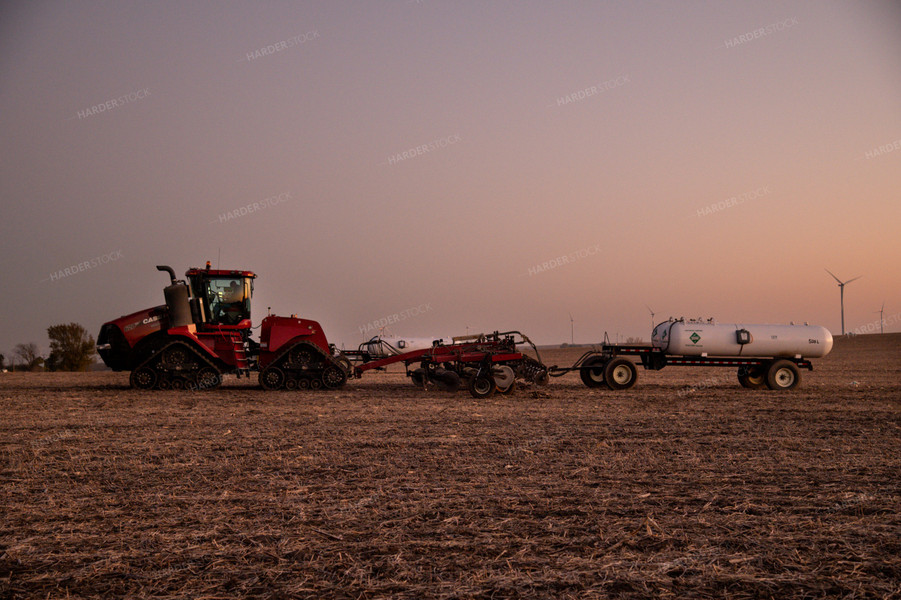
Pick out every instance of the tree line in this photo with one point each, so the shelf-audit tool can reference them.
(71, 349)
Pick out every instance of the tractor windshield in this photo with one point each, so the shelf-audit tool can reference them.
(228, 298)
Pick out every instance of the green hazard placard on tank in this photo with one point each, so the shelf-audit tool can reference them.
(694, 337)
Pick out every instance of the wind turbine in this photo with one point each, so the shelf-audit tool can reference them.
(572, 336)
(652, 315)
(841, 287)
(881, 320)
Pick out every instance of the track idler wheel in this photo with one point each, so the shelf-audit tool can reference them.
(207, 378)
(333, 377)
(272, 378)
(143, 378)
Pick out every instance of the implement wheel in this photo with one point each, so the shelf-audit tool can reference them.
(446, 380)
(783, 375)
(504, 378)
(418, 377)
(620, 374)
(482, 386)
(592, 371)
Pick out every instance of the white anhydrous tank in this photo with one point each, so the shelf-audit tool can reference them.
(700, 338)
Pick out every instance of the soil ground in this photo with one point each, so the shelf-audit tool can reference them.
(685, 486)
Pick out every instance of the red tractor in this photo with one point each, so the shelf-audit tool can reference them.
(203, 332)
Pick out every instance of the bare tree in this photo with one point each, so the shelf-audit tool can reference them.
(29, 355)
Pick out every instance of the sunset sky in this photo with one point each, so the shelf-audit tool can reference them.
(500, 163)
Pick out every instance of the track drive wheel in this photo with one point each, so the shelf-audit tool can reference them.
(592, 371)
(272, 378)
(620, 374)
(783, 375)
(481, 386)
(753, 378)
(143, 378)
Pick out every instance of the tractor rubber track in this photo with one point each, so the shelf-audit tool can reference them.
(176, 365)
(303, 366)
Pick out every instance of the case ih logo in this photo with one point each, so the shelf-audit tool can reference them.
(694, 337)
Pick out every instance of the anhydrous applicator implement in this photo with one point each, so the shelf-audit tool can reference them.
(203, 330)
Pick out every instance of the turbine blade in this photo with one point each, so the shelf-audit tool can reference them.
(834, 277)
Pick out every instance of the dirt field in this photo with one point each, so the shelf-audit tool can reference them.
(685, 486)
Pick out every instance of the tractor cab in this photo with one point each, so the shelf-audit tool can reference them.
(221, 297)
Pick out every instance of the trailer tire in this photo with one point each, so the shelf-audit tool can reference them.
(482, 386)
(620, 374)
(753, 378)
(592, 371)
(783, 375)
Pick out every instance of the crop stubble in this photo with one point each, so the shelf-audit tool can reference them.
(687, 485)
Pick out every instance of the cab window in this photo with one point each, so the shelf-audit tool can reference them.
(228, 299)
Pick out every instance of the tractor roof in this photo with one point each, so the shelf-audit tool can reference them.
(218, 272)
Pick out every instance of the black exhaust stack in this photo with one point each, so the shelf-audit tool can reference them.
(177, 300)
(168, 270)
